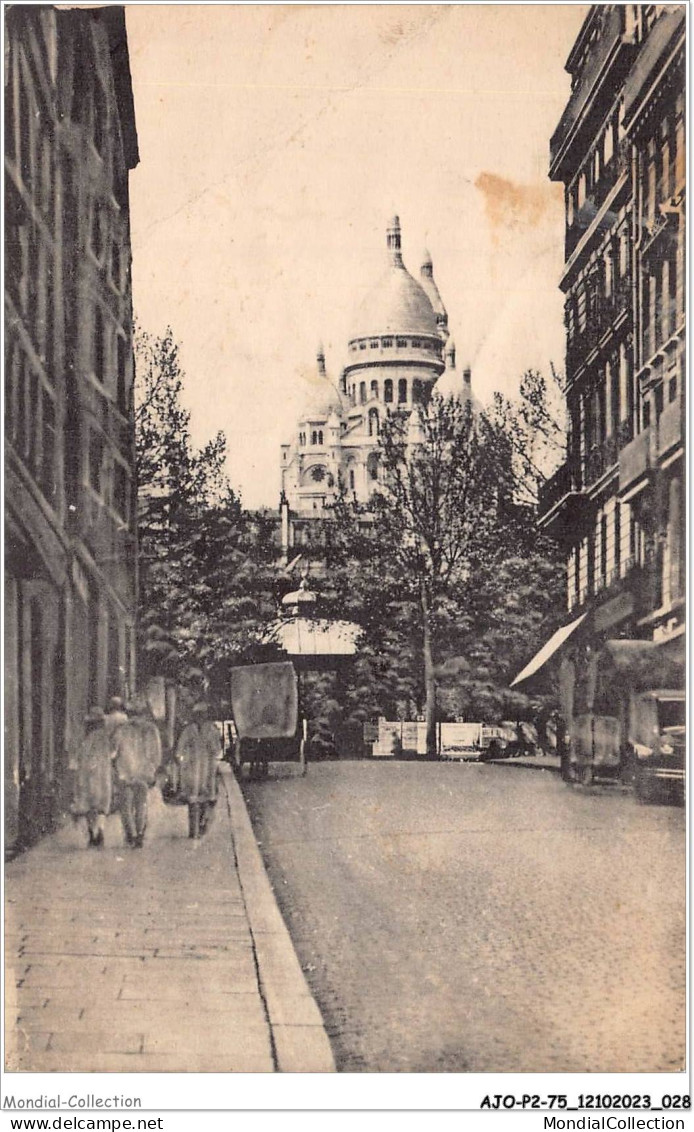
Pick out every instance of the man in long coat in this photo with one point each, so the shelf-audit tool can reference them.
(198, 750)
(137, 758)
(93, 797)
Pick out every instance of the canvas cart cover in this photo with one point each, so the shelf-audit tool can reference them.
(265, 701)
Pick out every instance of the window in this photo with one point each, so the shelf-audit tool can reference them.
(33, 438)
(416, 343)
(48, 447)
(672, 388)
(96, 453)
(100, 116)
(362, 393)
(374, 389)
(351, 479)
(388, 391)
(116, 265)
(402, 390)
(120, 489)
(658, 398)
(97, 237)
(603, 550)
(99, 344)
(373, 422)
(581, 191)
(387, 343)
(318, 474)
(122, 392)
(617, 535)
(314, 437)
(362, 345)
(401, 342)
(417, 391)
(590, 561)
(374, 343)
(320, 437)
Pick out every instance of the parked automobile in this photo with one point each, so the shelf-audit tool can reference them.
(657, 744)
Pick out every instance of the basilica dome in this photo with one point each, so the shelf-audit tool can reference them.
(397, 304)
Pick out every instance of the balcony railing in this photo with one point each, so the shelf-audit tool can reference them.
(555, 488)
(635, 461)
(604, 312)
(561, 499)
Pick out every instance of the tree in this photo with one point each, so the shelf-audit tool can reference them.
(453, 583)
(207, 578)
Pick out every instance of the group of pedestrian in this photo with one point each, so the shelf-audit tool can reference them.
(120, 760)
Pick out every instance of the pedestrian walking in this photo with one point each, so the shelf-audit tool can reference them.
(136, 761)
(198, 750)
(93, 796)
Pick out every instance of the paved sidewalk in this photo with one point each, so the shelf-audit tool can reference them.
(171, 958)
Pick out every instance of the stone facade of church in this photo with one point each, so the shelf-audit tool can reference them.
(398, 353)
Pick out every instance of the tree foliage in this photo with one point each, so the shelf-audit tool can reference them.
(451, 580)
(207, 568)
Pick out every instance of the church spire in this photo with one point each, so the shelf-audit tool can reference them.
(320, 359)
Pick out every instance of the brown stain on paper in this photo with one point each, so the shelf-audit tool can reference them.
(510, 204)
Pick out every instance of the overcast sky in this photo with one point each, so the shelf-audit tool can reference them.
(275, 143)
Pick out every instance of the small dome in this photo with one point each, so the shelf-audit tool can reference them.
(323, 399)
(453, 383)
(426, 275)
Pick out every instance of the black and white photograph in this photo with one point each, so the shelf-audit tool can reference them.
(345, 549)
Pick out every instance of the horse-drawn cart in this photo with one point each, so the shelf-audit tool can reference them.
(265, 707)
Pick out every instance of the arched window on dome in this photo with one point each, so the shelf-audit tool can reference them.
(374, 389)
(362, 393)
(372, 465)
(417, 392)
(402, 391)
(401, 342)
(388, 391)
(314, 437)
(373, 422)
(387, 343)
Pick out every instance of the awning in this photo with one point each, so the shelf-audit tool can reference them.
(314, 637)
(547, 651)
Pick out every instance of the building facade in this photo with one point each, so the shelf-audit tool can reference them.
(398, 353)
(617, 503)
(70, 525)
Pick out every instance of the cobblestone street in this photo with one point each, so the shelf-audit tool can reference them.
(482, 918)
